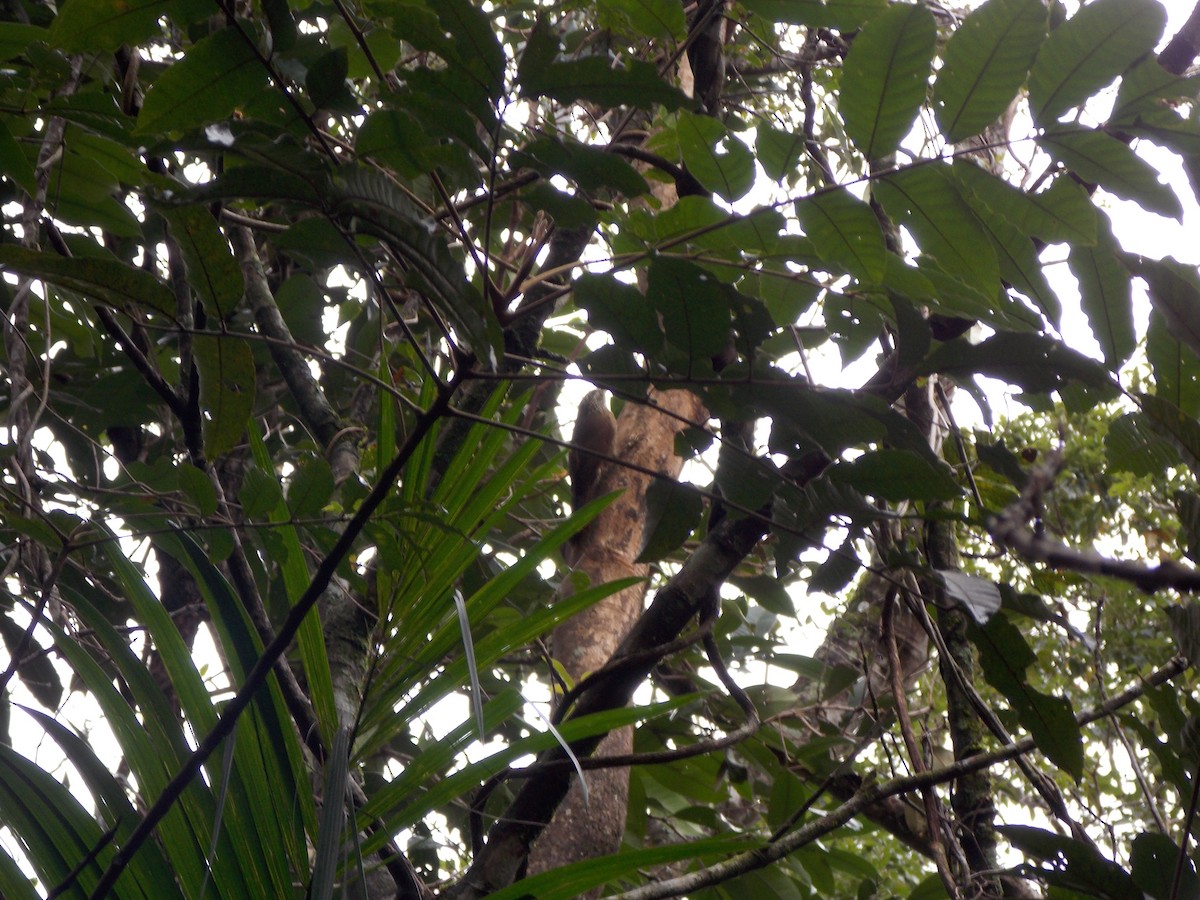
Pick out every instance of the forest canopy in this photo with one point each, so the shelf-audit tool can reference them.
(638, 448)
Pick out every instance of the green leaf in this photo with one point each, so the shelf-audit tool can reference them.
(839, 568)
(1185, 629)
(779, 152)
(897, 475)
(259, 182)
(1134, 444)
(927, 202)
(717, 159)
(746, 481)
(226, 367)
(325, 82)
(212, 271)
(1019, 263)
(1152, 861)
(884, 78)
(1175, 295)
(985, 63)
(1088, 51)
(370, 203)
(260, 494)
(1004, 656)
(395, 138)
(310, 487)
(845, 232)
(1035, 362)
(1143, 86)
(673, 511)
(214, 78)
(1106, 295)
(94, 25)
(478, 50)
(927, 285)
(14, 163)
(1175, 365)
(104, 280)
(35, 666)
(595, 79)
(621, 310)
(844, 15)
(1099, 157)
(694, 306)
(1073, 865)
(654, 19)
(589, 167)
(1063, 213)
(282, 23)
(15, 37)
(197, 487)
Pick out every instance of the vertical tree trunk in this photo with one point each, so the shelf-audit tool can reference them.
(604, 552)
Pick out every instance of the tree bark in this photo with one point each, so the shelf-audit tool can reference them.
(607, 551)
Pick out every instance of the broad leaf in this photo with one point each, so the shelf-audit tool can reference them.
(1088, 51)
(1106, 295)
(226, 367)
(1062, 213)
(1101, 158)
(104, 280)
(92, 25)
(844, 15)
(694, 306)
(985, 63)
(1035, 362)
(897, 475)
(673, 511)
(1004, 657)
(714, 156)
(884, 78)
(846, 233)
(621, 310)
(212, 271)
(926, 201)
(595, 79)
(214, 78)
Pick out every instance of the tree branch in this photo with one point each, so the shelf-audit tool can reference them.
(776, 850)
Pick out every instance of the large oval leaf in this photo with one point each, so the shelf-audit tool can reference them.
(926, 201)
(985, 64)
(1089, 50)
(226, 367)
(217, 75)
(105, 280)
(212, 271)
(845, 233)
(884, 78)
(1099, 157)
(1106, 296)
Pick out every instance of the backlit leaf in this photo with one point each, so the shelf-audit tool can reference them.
(884, 78)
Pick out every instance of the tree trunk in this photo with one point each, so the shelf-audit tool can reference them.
(606, 551)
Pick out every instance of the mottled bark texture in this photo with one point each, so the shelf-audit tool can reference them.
(606, 551)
